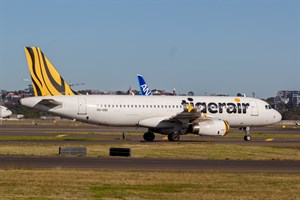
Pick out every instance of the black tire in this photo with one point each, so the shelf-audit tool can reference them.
(247, 138)
(149, 136)
(174, 137)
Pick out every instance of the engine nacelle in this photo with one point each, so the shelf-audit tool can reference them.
(211, 127)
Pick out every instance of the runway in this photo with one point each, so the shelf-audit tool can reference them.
(117, 163)
(113, 136)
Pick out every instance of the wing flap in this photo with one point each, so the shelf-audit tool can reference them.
(153, 122)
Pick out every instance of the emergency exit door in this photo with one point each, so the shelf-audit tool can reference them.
(81, 106)
(254, 110)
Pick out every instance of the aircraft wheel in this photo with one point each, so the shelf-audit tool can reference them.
(149, 136)
(174, 137)
(247, 137)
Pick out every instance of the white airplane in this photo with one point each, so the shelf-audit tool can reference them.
(4, 112)
(171, 115)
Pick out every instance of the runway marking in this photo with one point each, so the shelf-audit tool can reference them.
(60, 136)
(269, 140)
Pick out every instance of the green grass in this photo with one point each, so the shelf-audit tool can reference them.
(121, 191)
(110, 184)
(165, 150)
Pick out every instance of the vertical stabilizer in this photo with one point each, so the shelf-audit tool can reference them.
(46, 81)
(145, 91)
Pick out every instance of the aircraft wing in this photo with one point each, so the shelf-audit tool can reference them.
(186, 116)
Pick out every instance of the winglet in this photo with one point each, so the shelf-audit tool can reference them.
(46, 81)
(145, 91)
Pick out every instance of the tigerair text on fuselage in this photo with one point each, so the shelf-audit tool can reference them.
(230, 108)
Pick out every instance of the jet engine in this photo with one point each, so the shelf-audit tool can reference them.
(210, 127)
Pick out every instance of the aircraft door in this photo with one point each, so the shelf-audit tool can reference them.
(81, 106)
(254, 110)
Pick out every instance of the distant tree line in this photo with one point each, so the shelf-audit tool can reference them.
(288, 111)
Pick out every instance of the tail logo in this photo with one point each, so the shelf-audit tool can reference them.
(145, 91)
(46, 81)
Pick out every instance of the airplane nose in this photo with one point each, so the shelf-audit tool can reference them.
(277, 116)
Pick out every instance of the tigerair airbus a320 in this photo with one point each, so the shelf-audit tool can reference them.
(169, 115)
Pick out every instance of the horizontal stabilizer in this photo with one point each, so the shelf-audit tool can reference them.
(50, 103)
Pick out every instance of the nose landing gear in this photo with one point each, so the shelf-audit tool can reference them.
(247, 136)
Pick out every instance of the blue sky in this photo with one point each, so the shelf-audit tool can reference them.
(201, 46)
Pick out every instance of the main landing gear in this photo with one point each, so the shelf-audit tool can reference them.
(174, 137)
(149, 136)
(247, 136)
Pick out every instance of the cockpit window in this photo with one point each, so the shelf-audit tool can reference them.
(268, 107)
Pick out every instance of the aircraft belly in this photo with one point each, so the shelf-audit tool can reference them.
(113, 119)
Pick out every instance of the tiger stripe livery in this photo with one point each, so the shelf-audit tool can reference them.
(46, 81)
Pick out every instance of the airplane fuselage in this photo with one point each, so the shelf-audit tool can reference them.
(132, 110)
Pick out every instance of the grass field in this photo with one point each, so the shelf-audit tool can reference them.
(68, 184)
(166, 150)
(71, 184)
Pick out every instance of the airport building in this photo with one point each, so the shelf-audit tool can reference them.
(288, 97)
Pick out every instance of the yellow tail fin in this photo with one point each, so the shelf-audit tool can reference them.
(46, 81)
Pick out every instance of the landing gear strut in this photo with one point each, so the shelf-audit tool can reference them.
(247, 136)
(174, 137)
(149, 136)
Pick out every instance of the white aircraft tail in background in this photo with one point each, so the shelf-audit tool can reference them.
(169, 115)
